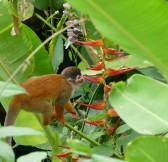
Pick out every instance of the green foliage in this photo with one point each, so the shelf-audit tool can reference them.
(135, 25)
(15, 49)
(29, 120)
(35, 156)
(40, 4)
(98, 158)
(18, 131)
(135, 104)
(10, 89)
(80, 148)
(147, 149)
(6, 152)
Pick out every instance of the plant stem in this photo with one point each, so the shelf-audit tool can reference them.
(54, 142)
(91, 100)
(7, 72)
(81, 134)
(45, 21)
(51, 13)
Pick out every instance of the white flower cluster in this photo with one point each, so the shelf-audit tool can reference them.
(75, 31)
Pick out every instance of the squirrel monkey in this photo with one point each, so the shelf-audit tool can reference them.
(42, 92)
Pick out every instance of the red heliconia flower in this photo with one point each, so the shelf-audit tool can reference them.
(65, 154)
(76, 158)
(112, 72)
(111, 51)
(98, 42)
(94, 79)
(112, 113)
(98, 106)
(112, 129)
(100, 123)
(107, 88)
(99, 66)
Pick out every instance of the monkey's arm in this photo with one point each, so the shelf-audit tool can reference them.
(59, 112)
(70, 108)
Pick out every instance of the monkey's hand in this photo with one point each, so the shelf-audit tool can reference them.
(59, 118)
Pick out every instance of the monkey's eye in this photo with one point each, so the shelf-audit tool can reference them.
(79, 79)
(78, 76)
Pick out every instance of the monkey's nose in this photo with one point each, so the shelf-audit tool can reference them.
(81, 80)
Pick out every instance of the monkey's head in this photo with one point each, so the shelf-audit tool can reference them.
(73, 76)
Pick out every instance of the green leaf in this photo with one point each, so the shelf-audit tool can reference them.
(123, 141)
(99, 158)
(123, 128)
(153, 73)
(40, 4)
(142, 104)
(18, 131)
(129, 61)
(10, 90)
(80, 148)
(58, 53)
(138, 26)
(6, 152)
(13, 49)
(148, 149)
(42, 61)
(91, 72)
(105, 149)
(25, 10)
(95, 135)
(33, 157)
(27, 119)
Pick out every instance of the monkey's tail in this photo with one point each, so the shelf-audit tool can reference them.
(11, 115)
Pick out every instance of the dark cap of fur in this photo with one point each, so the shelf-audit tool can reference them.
(71, 72)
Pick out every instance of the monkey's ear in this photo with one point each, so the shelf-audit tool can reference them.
(70, 80)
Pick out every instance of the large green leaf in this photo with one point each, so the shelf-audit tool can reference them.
(33, 157)
(58, 53)
(42, 61)
(40, 4)
(148, 149)
(140, 27)
(18, 131)
(6, 152)
(26, 119)
(10, 90)
(80, 148)
(99, 158)
(15, 49)
(140, 105)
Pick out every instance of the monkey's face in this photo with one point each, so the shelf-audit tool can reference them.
(76, 82)
(73, 76)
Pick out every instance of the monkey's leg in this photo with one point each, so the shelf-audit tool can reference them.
(48, 117)
(45, 108)
(59, 112)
